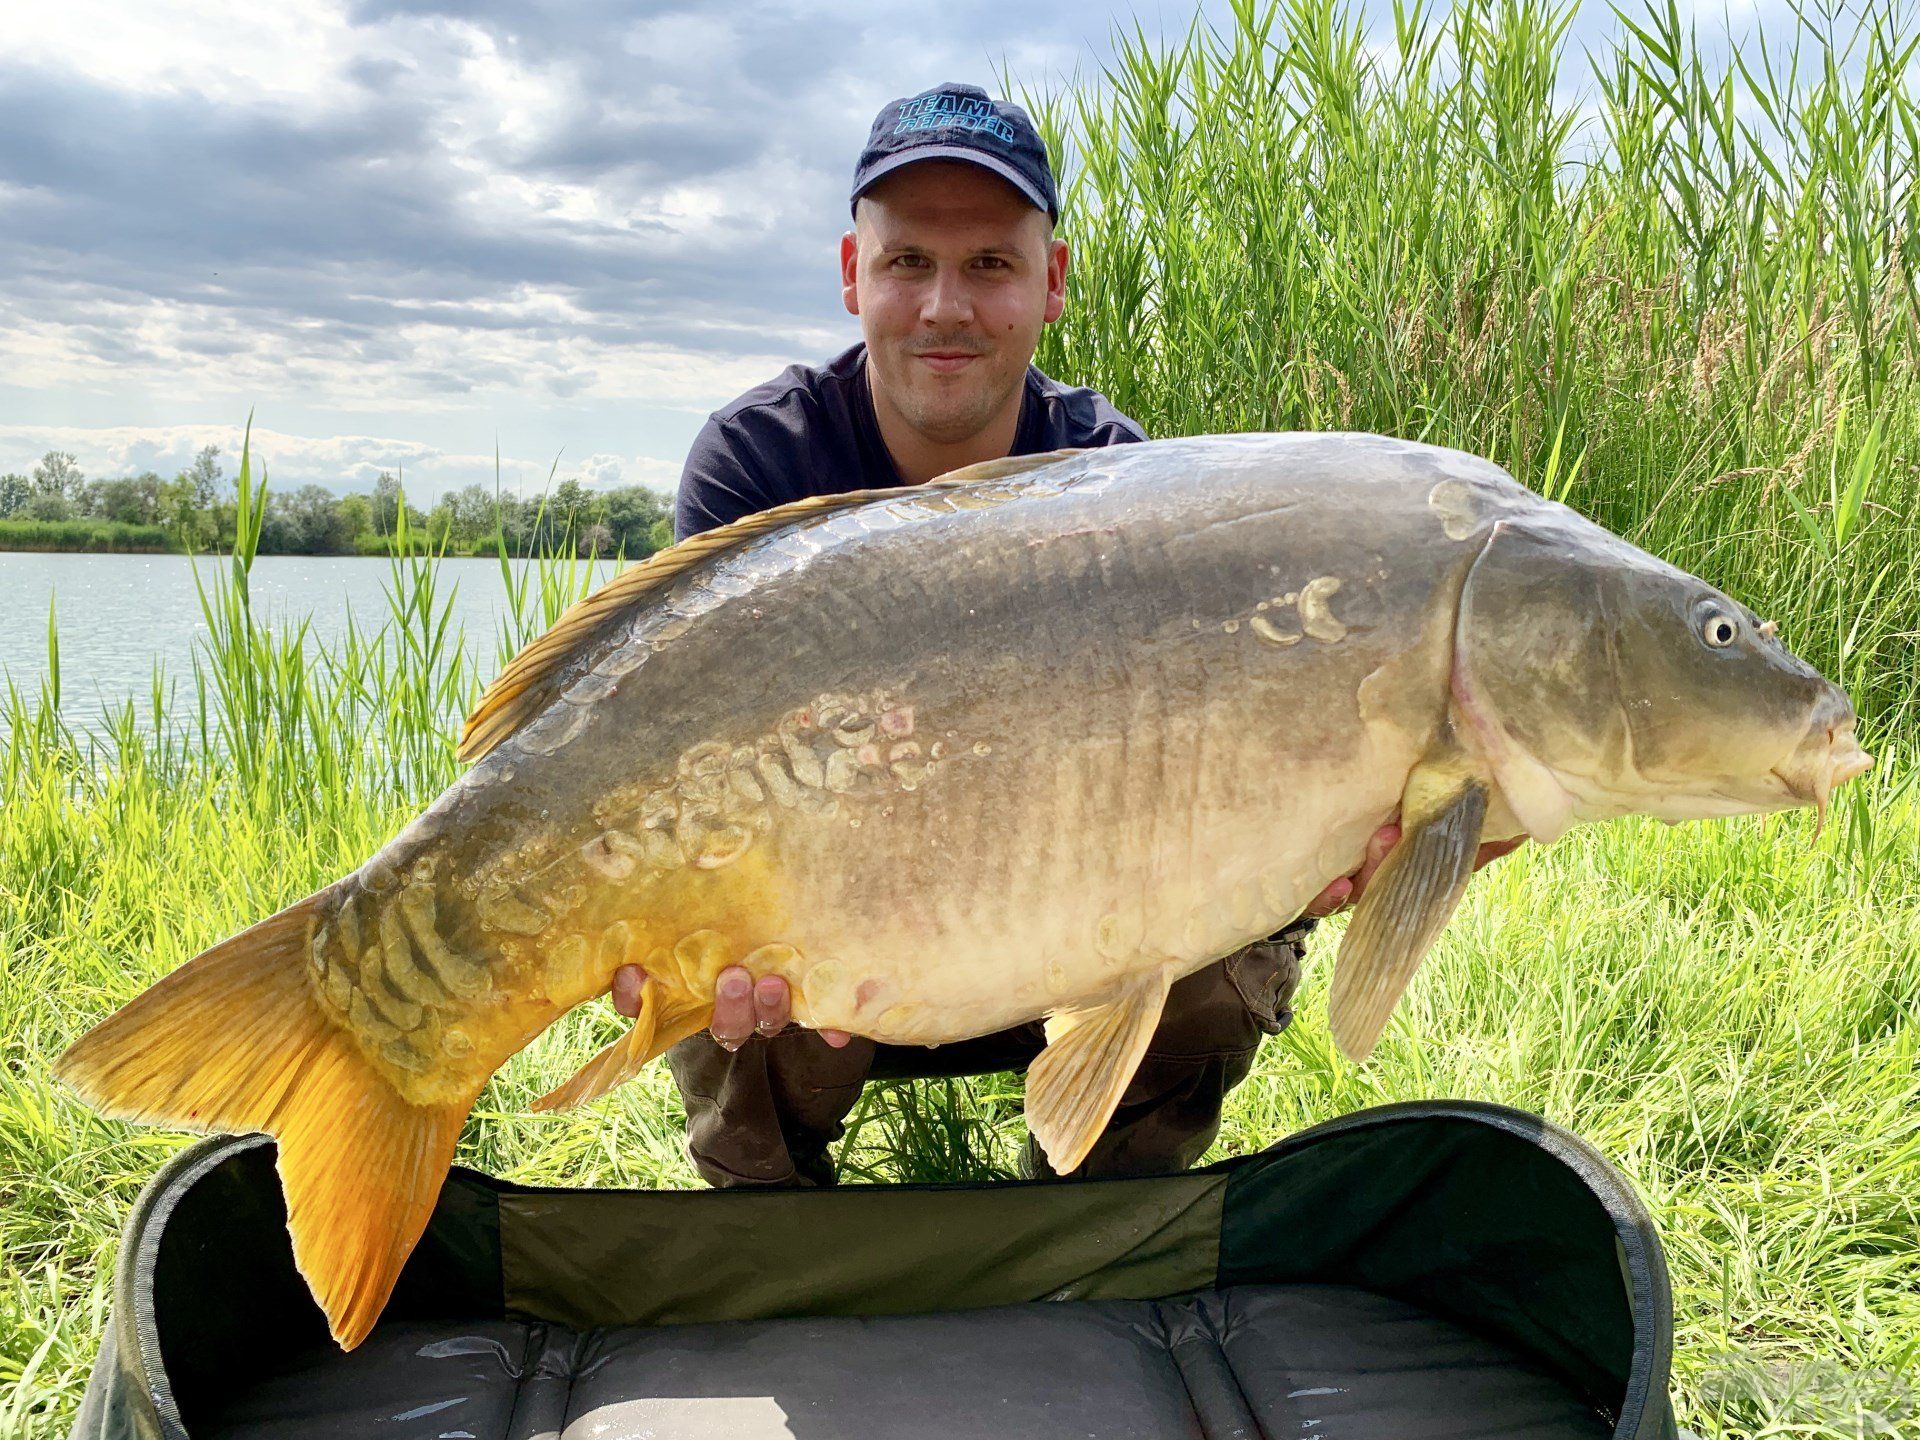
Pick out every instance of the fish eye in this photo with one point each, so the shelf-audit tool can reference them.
(1719, 630)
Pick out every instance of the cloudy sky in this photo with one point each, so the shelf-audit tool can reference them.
(405, 231)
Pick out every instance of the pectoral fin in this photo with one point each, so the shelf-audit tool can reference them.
(1075, 1084)
(1408, 902)
(662, 1023)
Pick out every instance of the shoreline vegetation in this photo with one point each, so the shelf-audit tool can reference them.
(1689, 311)
(102, 537)
(56, 508)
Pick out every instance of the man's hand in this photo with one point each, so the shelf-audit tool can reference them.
(1349, 888)
(740, 1007)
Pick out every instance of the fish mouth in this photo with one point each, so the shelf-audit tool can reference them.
(1827, 767)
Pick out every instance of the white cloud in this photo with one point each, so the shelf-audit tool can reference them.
(602, 471)
(339, 462)
(455, 351)
(228, 49)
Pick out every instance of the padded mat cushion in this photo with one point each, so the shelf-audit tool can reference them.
(1307, 1362)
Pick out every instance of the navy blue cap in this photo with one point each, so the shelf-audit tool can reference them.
(959, 122)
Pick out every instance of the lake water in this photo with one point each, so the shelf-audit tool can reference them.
(118, 614)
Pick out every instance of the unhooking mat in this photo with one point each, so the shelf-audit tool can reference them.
(1410, 1272)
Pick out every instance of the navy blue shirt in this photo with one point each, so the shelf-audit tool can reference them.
(811, 430)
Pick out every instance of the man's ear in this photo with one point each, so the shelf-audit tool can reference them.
(1058, 260)
(849, 271)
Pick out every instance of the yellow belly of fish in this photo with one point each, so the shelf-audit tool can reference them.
(932, 915)
(895, 980)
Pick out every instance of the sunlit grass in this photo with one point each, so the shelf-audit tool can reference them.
(1703, 335)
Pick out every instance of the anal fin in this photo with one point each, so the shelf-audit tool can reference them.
(661, 1024)
(1408, 902)
(1075, 1084)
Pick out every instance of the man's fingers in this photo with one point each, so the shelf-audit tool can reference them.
(1383, 840)
(1330, 899)
(1347, 889)
(627, 983)
(733, 1007)
(740, 1007)
(772, 1005)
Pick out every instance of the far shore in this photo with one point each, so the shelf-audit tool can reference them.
(100, 537)
(107, 537)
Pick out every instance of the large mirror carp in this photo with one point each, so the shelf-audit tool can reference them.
(1036, 739)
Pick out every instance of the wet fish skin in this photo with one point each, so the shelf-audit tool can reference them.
(1036, 743)
(922, 899)
(1175, 693)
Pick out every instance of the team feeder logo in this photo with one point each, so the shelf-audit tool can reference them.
(963, 112)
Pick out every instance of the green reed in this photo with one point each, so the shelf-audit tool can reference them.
(1685, 310)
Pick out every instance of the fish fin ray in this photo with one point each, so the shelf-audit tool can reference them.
(361, 1169)
(174, 1054)
(660, 1025)
(1075, 1084)
(235, 1041)
(999, 469)
(534, 676)
(1406, 906)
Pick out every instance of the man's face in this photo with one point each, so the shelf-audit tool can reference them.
(952, 273)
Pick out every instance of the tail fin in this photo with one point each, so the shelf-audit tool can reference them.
(235, 1040)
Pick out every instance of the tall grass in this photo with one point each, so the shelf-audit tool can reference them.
(1685, 310)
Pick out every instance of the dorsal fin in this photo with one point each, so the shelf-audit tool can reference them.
(526, 686)
(994, 469)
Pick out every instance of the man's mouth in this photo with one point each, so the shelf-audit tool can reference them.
(946, 362)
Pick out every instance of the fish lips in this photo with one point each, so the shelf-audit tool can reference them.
(1827, 756)
(1825, 759)
(1816, 770)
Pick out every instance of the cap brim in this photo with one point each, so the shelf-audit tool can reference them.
(864, 182)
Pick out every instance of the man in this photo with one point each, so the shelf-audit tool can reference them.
(953, 269)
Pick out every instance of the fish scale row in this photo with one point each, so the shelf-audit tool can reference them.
(380, 965)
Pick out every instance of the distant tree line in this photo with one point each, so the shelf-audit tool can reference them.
(57, 507)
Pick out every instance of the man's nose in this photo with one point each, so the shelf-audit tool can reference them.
(947, 302)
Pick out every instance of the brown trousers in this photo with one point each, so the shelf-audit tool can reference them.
(765, 1114)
